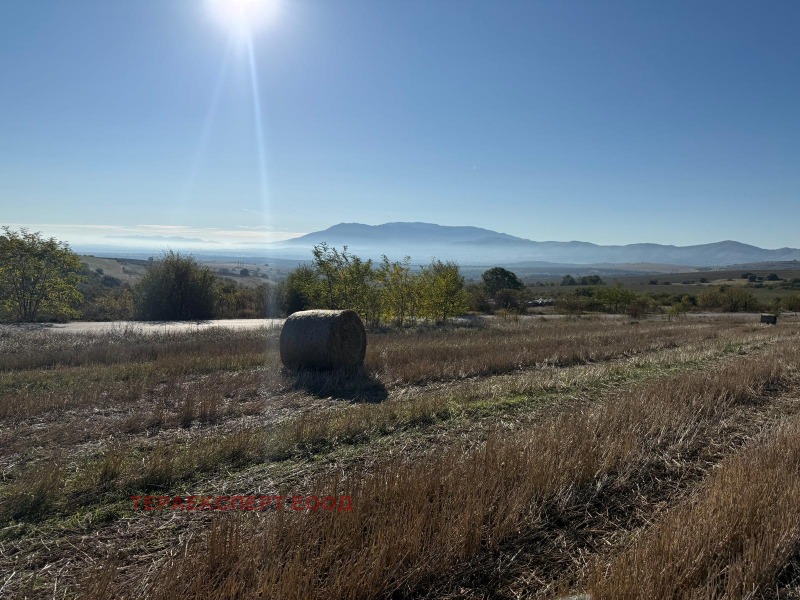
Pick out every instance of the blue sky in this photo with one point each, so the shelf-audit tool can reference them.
(610, 122)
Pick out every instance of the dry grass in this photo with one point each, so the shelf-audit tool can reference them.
(22, 349)
(100, 370)
(182, 404)
(732, 539)
(413, 521)
(420, 358)
(455, 444)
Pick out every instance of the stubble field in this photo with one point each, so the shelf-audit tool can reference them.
(509, 459)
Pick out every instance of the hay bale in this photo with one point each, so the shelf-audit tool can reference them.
(323, 339)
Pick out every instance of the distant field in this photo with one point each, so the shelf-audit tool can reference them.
(724, 276)
(507, 458)
(128, 270)
(689, 283)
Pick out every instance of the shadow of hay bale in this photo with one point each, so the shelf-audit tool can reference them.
(354, 385)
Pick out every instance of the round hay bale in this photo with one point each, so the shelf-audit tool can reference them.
(323, 339)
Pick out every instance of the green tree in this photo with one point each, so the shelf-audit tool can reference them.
(38, 277)
(568, 280)
(175, 288)
(498, 278)
(399, 290)
(442, 291)
(360, 290)
(329, 265)
(616, 298)
(346, 281)
(300, 290)
(591, 280)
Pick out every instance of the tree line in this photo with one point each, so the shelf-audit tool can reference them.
(43, 280)
(387, 292)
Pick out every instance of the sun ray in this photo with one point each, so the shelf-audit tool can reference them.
(262, 153)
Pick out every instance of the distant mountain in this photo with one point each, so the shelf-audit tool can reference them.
(419, 233)
(478, 246)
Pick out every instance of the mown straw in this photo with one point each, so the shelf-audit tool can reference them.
(323, 339)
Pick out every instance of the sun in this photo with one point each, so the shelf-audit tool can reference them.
(243, 17)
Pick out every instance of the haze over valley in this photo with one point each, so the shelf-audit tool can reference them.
(469, 246)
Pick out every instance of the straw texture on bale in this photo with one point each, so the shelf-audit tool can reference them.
(323, 339)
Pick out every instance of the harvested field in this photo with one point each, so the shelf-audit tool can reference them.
(530, 458)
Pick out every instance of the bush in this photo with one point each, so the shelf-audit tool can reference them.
(508, 299)
(476, 298)
(175, 288)
(616, 299)
(639, 307)
(591, 280)
(729, 299)
(681, 306)
(792, 303)
(575, 303)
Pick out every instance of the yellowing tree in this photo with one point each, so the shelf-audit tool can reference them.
(442, 291)
(38, 277)
(399, 290)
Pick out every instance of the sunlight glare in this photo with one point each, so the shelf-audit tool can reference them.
(243, 17)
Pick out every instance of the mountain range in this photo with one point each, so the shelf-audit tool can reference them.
(478, 246)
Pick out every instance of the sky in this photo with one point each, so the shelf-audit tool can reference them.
(610, 122)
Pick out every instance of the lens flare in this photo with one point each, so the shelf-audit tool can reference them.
(243, 17)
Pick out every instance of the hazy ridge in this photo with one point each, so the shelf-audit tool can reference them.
(475, 245)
